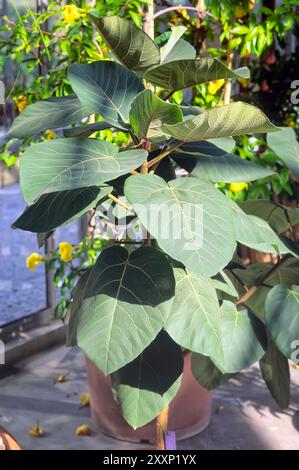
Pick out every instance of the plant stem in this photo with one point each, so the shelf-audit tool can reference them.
(229, 63)
(163, 154)
(121, 203)
(162, 423)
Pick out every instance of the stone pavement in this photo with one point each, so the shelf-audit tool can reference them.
(21, 291)
(244, 415)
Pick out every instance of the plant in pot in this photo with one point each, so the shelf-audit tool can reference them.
(148, 309)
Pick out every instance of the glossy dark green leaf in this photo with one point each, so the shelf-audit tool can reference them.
(132, 47)
(123, 305)
(186, 73)
(190, 219)
(59, 208)
(282, 317)
(51, 113)
(206, 373)
(106, 88)
(65, 164)
(145, 386)
(276, 373)
(224, 121)
(148, 113)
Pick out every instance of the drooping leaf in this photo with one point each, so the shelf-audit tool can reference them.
(190, 219)
(59, 208)
(282, 317)
(229, 120)
(285, 145)
(207, 161)
(180, 74)
(51, 113)
(206, 373)
(276, 373)
(255, 232)
(132, 47)
(148, 113)
(146, 385)
(87, 130)
(106, 88)
(64, 164)
(279, 217)
(122, 305)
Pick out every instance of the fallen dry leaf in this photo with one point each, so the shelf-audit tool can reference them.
(83, 430)
(296, 366)
(58, 379)
(219, 409)
(36, 431)
(85, 399)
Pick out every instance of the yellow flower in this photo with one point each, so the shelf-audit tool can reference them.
(215, 85)
(242, 10)
(290, 122)
(66, 251)
(70, 13)
(21, 102)
(33, 260)
(50, 134)
(237, 187)
(5, 18)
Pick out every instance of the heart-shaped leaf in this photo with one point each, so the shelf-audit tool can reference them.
(206, 373)
(64, 164)
(285, 145)
(282, 318)
(123, 305)
(190, 219)
(132, 47)
(106, 88)
(51, 113)
(229, 120)
(276, 373)
(180, 74)
(59, 208)
(207, 161)
(148, 113)
(145, 386)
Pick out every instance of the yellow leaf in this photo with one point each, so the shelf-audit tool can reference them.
(83, 430)
(85, 399)
(36, 431)
(58, 379)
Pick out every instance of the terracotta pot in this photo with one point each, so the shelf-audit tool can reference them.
(7, 442)
(189, 412)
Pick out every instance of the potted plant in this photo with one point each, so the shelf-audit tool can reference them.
(150, 307)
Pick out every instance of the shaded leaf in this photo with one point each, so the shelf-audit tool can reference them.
(86, 130)
(206, 373)
(278, 216)
(285, 145)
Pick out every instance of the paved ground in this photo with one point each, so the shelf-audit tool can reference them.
(244, 415)
(21, 291)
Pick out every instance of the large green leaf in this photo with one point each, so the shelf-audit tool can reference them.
(278, 216)
(50, 113)
(64, 164)
(206, 373)
(145, 386)
(190, 219)
(243, 339)
(58, 208)
(193, 320)
(276, 373)
(106, 88)
(255, 232)
(180, 74)
(229, 120)
(285, 145)
(148, 113)
(132, 47)
(172, 47)
(207, 161)
(282, 317)
(123, 305)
